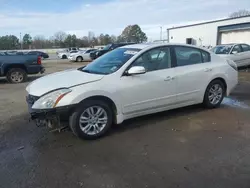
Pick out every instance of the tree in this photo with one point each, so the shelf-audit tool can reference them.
(59, 38)
(9, 42)
(39, 42)
(132, 33)
(104, 39)
(113, 38)
(239, 13)
(27, 41)
(70, 41)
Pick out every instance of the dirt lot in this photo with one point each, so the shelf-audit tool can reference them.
(188, 147)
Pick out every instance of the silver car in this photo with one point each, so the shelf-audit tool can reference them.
(239, 53)
(81, 56)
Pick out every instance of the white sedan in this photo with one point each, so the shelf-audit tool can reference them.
(128, 82)
(239, 53)
(81, 56)
(66, 54)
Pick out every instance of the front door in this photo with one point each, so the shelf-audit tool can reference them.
(152, 91)
(236, 55)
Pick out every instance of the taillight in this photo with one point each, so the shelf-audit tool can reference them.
(232, 64)
(39, 60)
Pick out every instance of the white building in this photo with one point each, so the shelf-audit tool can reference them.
(230, 30)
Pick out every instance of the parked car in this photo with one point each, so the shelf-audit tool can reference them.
(109, 47)
(16, 67)
(39, 53)
(68, 50)
(239, 53)
(65, 55)
(131, 81)
(81, 55)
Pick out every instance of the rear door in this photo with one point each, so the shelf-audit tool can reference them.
(193, 73)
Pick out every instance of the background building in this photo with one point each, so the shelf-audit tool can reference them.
(231, 30)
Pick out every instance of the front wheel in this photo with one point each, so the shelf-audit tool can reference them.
(91, 120)
(79, 59)
(16, 75)
(214, 94)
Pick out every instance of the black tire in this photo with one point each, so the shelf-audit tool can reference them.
(206, 102)
(75, 118)
(12, 79)
(79, 59)
(64, 57)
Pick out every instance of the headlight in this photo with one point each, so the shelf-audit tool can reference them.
(51, 99)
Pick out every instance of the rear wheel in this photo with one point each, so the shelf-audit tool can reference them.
(64, 57)
(214, 94)
(79, 59)
(16, 75)
(91, 120)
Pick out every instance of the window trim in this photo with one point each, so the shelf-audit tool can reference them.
(245, 45)
(167, 46)
(234, 47)
(200, 50)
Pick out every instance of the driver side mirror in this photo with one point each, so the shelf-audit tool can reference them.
(136, 70)
(234, 52)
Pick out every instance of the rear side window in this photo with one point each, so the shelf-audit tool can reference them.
(33, 53)
(236, 49)
(245, 47)
(205, 56)
(188, 56)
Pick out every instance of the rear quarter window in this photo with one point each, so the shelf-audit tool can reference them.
(205, 56)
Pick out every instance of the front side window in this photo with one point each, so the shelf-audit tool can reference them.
(111, 62)
(155, 59)
(236, 49)
(222, 49)
(245, 47)
(187, 56)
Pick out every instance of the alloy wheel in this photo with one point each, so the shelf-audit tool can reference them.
(215, 94)
(93, 120)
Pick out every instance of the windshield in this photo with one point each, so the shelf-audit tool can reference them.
(111, 62)
(222, 49)
(107, 47)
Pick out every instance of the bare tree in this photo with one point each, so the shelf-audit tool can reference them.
(59, 37)
(239, 13)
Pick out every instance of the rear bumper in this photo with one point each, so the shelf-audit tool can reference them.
(232, 81)
(35, 69)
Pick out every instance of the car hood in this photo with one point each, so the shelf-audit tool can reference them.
(63, 79)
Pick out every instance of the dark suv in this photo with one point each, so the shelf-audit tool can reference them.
(109, 47)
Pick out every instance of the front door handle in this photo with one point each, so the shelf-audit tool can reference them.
(208, 70)
(169, 78)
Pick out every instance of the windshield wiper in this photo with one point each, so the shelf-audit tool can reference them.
(93, 72)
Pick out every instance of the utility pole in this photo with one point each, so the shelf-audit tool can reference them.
(161, 33)
(20, 40)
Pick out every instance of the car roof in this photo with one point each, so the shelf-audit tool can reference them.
(154, 44)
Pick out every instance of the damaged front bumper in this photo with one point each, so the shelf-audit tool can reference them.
(51, 118)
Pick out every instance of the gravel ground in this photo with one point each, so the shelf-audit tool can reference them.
(187, 147)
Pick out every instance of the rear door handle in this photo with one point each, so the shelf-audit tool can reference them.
(208, 70)
(169, 78)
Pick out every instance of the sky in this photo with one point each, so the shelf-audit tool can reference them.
(45, 17)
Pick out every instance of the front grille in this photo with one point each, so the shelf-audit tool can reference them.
(31, 99)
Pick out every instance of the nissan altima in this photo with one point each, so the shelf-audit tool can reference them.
(128, 82)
